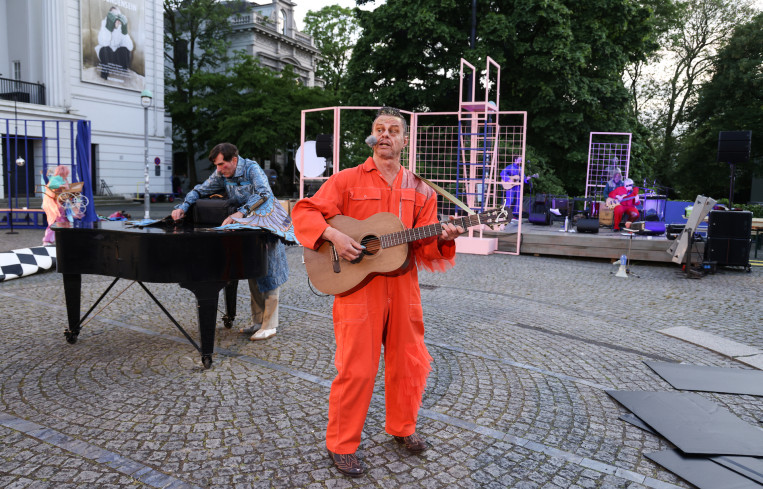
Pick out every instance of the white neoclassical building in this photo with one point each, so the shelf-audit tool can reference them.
(268, 32)
(63, 61)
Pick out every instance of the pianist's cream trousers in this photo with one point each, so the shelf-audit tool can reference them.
(264, 306)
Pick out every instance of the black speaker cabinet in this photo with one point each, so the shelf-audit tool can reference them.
(728, 251)
(588, 225)
(734, 146)
(542, 218)
(729, 224)
(324, 146)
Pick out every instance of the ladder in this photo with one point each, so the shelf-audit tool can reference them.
(105, 189)
(477, 147)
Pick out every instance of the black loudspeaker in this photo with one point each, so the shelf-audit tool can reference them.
(728, 251)
(729, 224)
(324, 146)
(542, 218)
(588, 225)
(734, 146)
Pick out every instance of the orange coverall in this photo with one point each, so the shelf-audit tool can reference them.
(386, 311)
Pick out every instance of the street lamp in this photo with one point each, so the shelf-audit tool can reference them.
(19, 161)
(145, 101)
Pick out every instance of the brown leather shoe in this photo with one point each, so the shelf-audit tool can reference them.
(347, 464)
(413, 442)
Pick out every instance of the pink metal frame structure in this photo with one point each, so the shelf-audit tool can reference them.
(478, 136)
(433, 150)
(606, 150)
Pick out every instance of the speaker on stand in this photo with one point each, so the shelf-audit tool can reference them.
(324, 146)
(728, 238)
(734, 147)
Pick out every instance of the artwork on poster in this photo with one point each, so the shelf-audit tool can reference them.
(113, 43)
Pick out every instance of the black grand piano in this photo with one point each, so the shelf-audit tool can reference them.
(201, 260)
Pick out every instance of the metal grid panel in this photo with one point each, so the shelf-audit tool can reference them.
(606, 150)
(51, 142)
(436, 154)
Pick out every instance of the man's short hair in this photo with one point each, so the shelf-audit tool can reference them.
(392, 111)
(627, 182)
(228, 151)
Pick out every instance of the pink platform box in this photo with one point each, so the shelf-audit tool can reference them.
(476, 246)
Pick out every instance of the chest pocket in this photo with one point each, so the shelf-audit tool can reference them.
(411, 203)
(238, 191)
(363, 202)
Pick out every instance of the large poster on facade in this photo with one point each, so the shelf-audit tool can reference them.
(113, 43)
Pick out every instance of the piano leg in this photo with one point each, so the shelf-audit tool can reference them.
(206, 297)
(72, 289)
(231, 289)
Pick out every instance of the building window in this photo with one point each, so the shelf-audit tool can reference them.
(17, 70)
(282, 22)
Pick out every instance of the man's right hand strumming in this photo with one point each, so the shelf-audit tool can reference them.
(345, 246)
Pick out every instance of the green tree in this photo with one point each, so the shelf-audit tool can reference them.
(563, 62)
(689, 40)
(731, 101)
(195, 45)
(257, 109)
(335, 30)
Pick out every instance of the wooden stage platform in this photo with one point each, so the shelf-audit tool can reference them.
(551, 240)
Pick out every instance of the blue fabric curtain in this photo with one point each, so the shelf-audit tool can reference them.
(83, 168)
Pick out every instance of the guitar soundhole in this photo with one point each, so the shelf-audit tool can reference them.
(372, 244)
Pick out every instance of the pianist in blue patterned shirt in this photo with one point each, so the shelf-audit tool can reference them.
(244, 182)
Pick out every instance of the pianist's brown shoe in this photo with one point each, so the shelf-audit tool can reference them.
(347, 464)
(413, 442)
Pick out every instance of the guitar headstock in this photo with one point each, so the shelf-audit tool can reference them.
(495, 217)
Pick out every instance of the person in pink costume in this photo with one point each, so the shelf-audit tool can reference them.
(53, 210)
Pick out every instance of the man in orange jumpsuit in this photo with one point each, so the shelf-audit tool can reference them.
(386, 311)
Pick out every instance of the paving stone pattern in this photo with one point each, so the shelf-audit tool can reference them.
(523, 350)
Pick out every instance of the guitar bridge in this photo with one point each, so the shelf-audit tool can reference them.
(335, 259)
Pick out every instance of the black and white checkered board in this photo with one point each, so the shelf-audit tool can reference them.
(26, 261)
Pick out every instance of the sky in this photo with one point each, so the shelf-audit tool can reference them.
(304, 5)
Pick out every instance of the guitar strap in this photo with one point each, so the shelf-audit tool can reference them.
(445, 194)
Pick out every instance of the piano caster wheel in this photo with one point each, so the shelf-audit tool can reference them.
(71, 338)
(227, 322)
(206, 360)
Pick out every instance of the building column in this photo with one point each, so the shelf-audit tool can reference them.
(54, 22)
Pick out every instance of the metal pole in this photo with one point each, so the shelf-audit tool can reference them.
(146, 198)
(12, 164)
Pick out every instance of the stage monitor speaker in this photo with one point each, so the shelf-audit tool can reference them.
(588, 225)
(728, 251)
(734, 146)
(324, 144)
(542, 218)
(729, 224)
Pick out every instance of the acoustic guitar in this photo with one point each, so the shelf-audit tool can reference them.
(386, 241)
(513, 181)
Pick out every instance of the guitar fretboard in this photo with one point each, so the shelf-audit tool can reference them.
(415, 234)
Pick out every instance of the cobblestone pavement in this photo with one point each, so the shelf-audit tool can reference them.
(524, 348)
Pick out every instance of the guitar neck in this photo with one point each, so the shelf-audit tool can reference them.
(423, 232)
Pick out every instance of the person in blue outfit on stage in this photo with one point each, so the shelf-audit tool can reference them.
(244, 182)
(511, 177)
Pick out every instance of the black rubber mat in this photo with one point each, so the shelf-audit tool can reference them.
(692, 423)
(710, 379)
(701, 472)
